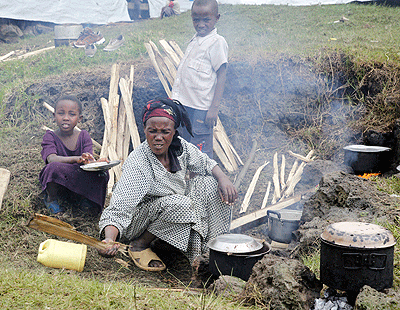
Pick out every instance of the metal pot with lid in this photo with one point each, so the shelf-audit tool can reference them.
(367, 158)
(235, 254)
(354, 254)
(281, 224)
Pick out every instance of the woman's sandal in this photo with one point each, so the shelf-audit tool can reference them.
(143, 258)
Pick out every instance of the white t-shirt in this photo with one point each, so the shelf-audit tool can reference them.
(196, 78)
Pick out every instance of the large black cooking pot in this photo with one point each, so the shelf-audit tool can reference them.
(235, 255)
(354, 254)
(367, 159)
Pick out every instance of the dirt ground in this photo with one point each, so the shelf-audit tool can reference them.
(262, 101)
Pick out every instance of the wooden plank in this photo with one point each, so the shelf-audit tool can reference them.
(169, 51)
(107, 127)
(275, 177)
(221, 136)
(259, 217)
(4, 180)
(176, 48)
(265, 200)
(123, 84)
(221, 155)
(157, 68)
(160, 61)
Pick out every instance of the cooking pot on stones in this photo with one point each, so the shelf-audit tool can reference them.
(367, 159)
(281, 224)
(235, 255)
(354, 254)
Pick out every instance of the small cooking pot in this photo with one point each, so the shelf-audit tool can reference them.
(354, 254)
(367, 159)
(235, 255)
(281, 224)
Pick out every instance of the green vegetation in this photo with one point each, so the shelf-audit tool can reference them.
(21, 289)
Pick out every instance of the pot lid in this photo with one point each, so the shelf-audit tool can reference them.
(287, 215)
(366, 148)
(234, 243)
(358, 235)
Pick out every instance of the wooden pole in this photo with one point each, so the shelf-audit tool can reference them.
(246, 166)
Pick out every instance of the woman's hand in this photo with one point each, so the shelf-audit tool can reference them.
(227, 190)
(112, 250)
(85, 158)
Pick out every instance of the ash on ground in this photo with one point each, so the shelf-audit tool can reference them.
(332, 301)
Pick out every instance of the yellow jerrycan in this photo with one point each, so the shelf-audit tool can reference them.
(60, 254)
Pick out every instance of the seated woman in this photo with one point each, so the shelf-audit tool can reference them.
(64, 151)
(153, 198)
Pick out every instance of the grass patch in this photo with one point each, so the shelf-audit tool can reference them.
(63, 289)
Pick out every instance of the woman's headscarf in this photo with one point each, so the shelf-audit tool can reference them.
(176, 112)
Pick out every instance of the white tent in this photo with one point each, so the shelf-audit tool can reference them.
(66, 11)
(108, 11)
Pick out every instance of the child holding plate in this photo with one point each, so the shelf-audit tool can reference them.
(64, 151)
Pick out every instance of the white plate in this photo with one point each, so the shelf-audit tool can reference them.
(101, 165)
(366, 148)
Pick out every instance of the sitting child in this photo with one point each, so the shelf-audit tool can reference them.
(63, 151)
(171, 8)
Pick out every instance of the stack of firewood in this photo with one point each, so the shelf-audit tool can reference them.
(120, 126)
(282, 189)
(166, 66)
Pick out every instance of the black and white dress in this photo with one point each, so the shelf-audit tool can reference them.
(184, 214)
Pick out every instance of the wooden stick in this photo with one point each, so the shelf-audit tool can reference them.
(218, 136)
(246, 200)
(58, 228)
(157, 68)
(171, 69)
(160, 61)
(265, 200)
(106, 115)
(176, 48)
(220, 129)
(221, 155)
(298, 156)
(170, 52)
(32, 53)
(290, 177)
(275, 177)
(282, 178)
(296, 178)
(129, 112)
(259, 217)
(4, 180)
(7, 55)
(246, 165)
(121, 121)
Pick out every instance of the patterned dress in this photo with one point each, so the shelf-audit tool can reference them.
(184, 214)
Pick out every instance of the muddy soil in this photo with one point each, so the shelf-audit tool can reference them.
(261, 101)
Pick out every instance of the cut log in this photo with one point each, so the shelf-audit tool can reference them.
(4, 180)
(246, 166)
(259, 217)
(250, 190)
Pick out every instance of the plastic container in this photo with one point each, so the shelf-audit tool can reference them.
(58, 254)
(66, 34)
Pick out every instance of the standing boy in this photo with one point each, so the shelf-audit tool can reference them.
(201, 75)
